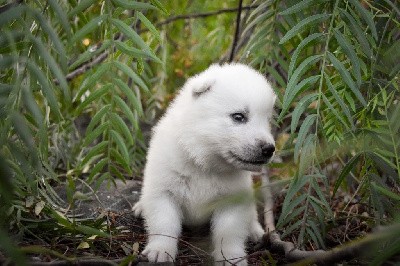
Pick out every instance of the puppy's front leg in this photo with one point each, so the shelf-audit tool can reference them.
(163, 220)
(230, 229)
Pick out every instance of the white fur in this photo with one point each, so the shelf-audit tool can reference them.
(191, 176)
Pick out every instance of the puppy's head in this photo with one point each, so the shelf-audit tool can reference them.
(228, 117)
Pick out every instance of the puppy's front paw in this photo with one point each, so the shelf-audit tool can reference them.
(137, 209)
(157, 251)
(256, 232)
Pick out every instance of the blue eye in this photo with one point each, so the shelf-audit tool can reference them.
(239, 117)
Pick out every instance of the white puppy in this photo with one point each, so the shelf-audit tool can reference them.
(200, 159)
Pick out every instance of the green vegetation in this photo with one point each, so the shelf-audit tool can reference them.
(116, 63)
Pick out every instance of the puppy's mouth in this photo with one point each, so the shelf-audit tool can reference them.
(248, 162)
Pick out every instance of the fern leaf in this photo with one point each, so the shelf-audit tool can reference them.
(95, 151)
(345, 171)
(358, 32)
(130, 73)
(52, 64)
(88, 28)
(120, 144)
(125, 109)
(302, 25)
(134, 5)
(94, 134)
(97, 117)
(130, 33)
(97, 94)
(301, 106)
(80, 7)
(305, 127)
(367, 16)
(31, 105)
(119, 123)
(149, 26)
(92, 80)
(292, 92)
(351, 54)
(309, 39)
(97, 169)
(346, 77)
(340, 101)
(132, 99)
(46, 88)
(297, 7)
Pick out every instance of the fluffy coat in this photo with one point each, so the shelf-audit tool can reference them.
(201, 155)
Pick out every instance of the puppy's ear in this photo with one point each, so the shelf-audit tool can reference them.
(200, 89)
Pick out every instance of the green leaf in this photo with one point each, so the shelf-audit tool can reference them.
(340, 101)
(345, 171)
(97, 117)
(87, 230)
(385, 164)
(80, 7)
(132, 51)
(12, 14)
(160, 6)
(46, 87)
(100, 180)
(303, 67)
(301, 106)
(297, 7)
(130, 73)
(346, 77)
(53, 66)
(97, 169)
(335, 112)
(94, 96)
(119, 123)
(45, 26)
(317, 233)
(32, 106)
(121, 160)
(94, 151)
(295, 186)
(299, 48)
(92, 79)
(125, 109)
(120, 143)
(88, 28)
(130, 33)
(89, 53)
(92, 135)
(302, 25)
(307, 154)
(358, 33)
(128, 4)
(367, 16)
(292, 92)
(149, 26)
(351, 54)
(132, 99)
(305, 127)
(22, 129)
(386, 191)
(61, 15)
(291, 214)
(291, 228)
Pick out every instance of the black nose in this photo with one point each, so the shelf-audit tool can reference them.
(267, 150)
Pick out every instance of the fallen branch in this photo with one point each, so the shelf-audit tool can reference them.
(347, 251)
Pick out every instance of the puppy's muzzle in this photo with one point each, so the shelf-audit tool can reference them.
(267, 151)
